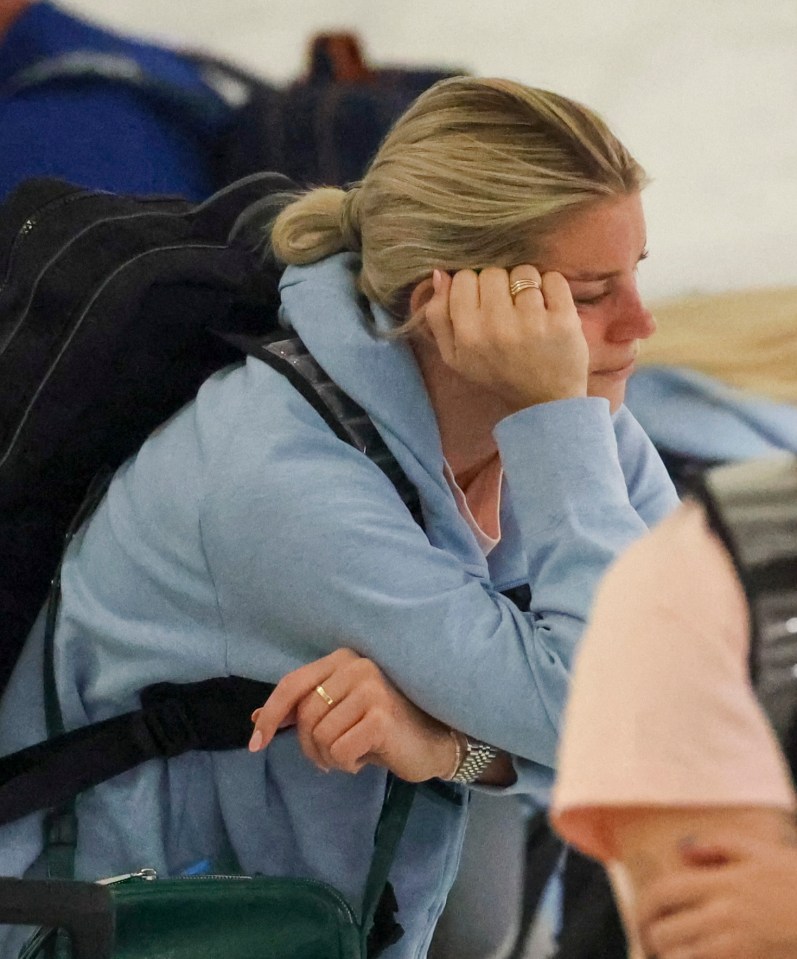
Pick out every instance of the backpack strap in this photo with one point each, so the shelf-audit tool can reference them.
(752, 506)
(212, 714)
(347, 420)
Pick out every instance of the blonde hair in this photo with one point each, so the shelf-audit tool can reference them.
(747, 339)
(476, 173)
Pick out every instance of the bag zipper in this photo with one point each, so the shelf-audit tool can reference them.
(148, 874)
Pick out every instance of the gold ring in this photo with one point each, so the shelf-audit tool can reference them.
(325, 695)
(518, 285)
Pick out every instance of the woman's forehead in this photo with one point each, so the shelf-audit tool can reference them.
(599, 241)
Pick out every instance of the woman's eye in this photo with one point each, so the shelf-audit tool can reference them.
(590, 300)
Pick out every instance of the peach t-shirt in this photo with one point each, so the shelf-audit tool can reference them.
(661, 710)
(480, 503)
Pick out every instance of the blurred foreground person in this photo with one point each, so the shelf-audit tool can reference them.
(671, 772)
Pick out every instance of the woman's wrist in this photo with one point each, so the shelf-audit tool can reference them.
(473, 761)
(458, 750)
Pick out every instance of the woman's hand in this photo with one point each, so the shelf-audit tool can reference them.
(528, 350)
(367, 720)
(731, 901)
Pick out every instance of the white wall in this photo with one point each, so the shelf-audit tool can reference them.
(704, 92)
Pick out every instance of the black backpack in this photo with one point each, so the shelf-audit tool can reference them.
(105, 301)
(107, 304)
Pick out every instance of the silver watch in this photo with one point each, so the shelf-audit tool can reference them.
(478, 756)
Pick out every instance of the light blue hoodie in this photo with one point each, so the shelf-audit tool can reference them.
(244, 538)
(690, 413)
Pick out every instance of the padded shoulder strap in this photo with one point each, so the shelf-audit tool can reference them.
(349, 421)
(208, 715)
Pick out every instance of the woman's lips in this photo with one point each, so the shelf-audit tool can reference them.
(619, 372)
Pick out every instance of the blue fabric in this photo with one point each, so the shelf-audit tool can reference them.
(99, 134)
(693, 414)
(245, 538)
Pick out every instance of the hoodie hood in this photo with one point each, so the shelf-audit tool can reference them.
(341, 330)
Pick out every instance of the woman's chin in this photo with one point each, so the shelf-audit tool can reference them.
(614, 394)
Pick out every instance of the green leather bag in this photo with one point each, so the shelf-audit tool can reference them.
(139, 916)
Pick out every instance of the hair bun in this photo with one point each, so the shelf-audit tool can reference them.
(350, 220)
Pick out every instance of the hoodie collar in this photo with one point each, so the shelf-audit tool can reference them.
(341, 330)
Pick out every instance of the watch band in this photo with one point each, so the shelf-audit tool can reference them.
(477, 757)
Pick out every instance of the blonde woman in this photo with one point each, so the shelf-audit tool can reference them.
(476, 294)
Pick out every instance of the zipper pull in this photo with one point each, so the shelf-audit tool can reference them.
(146, 873)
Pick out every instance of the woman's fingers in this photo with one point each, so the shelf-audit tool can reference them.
(347, 713)
(515, 332)
(291, 691)
(320, 727)
(357, 745)
(558, 297)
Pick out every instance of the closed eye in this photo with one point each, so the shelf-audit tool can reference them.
(590, 300)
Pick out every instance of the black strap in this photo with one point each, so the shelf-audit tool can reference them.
(395, 812)
(212, 714)
(347, 420)
(591, 924)
(85, 909)
(209, 715)
(543, 852)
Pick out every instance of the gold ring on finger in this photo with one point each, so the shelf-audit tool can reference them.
(325, 695)
(518, 285)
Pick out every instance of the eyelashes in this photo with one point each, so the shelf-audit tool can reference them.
(591, 300)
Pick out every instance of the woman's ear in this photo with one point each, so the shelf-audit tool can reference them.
(421, 294)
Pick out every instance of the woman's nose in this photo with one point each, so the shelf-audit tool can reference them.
(633, 320)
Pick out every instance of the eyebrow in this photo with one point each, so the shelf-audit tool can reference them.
(595, 277)
(590, 277)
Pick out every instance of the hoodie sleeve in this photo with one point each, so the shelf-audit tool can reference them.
(353, 569)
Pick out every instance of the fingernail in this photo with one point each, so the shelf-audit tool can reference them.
(436, 278)
(255, 714)
(256, 741)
